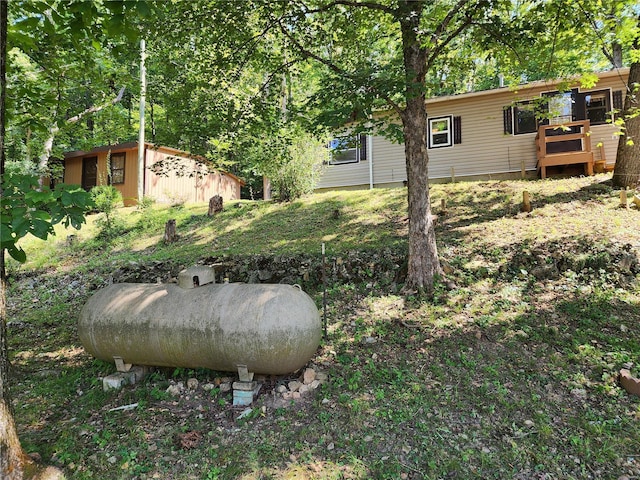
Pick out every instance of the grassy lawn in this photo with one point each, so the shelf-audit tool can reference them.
(511, 375)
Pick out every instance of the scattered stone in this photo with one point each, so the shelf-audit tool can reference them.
(624, 328)
(486, 450)
(304, 389)
(175, 389)
(225, 387)
(322, 377)
(192, 383)
(325, 401)
(295, 395)
(579, 393)
(370, 340)
(331, 446)
(282, 389)
(294, 385)
(309, 376)
(629, 383)
(207, 387)
(112, 459)
(315, 384)
(529, 423)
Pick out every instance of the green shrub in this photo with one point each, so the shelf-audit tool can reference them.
(106, 198)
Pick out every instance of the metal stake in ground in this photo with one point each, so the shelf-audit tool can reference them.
(324, 293)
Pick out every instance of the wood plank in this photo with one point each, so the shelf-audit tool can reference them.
(564, 138)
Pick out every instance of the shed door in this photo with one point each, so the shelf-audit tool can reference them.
(89, 172)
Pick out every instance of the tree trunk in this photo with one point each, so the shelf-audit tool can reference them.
(215, 205)
(14, 463)
(627, 169)
(170, 235)
(423, 262)
(10, 450)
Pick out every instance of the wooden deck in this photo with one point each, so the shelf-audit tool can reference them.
(564, 144)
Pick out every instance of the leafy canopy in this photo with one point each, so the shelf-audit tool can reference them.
(28, 210)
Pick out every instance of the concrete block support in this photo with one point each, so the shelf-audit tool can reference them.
(244, 393)
(119, 379)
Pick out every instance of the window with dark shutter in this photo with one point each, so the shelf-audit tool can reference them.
(440, 132)
(363, 147)
(597, 106)
(579, 109)
(525, 118)
(507, 118)
(617, 100)
(457, 130)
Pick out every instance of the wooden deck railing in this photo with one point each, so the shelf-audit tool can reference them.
(564, 144)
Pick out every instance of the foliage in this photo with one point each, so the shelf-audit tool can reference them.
(296, 164)
(29, 210)
(106, 199)
(64, 58)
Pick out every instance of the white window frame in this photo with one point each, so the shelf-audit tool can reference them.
(448, 131)
(333, 144)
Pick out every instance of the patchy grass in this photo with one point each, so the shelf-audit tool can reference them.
(510, 375)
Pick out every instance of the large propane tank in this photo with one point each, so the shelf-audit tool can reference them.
(272, 329)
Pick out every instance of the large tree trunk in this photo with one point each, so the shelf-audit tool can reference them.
(10, 451)
(14, 463)
(627, 169)
(423, 262)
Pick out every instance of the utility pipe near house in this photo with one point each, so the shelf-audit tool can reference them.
(141, 146)
(370, 150)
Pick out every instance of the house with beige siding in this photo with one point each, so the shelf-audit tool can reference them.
(492, 134)
(170, 175)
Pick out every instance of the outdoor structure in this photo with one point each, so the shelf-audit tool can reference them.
(499, 133)
(170, 175)
(261, 328)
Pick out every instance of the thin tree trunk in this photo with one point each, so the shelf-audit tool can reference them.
(53, 131)
(627, 169)
(423, 262)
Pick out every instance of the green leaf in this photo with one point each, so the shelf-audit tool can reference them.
(34, 197)
(17, 253)
(42, 229)
(143, 9)
(6, 234)
(20, 226)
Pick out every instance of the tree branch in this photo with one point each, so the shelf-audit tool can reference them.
(306, 53)
(357, 4)
(441, 44)
(53, 131)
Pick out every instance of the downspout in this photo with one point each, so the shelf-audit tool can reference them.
(370, 149)
(141, 144)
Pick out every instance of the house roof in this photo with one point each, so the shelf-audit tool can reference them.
(151, 146)
(618, 72)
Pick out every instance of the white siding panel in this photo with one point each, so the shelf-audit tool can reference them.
(345, 175)
(485, 149)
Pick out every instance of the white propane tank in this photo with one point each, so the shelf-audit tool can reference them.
(272, 329)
